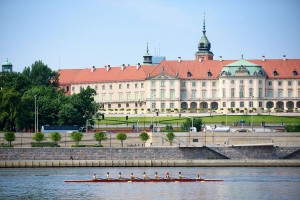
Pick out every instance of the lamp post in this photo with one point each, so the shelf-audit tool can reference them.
(252, 114)
(34, 113)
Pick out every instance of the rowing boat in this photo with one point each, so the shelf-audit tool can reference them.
(144, 180)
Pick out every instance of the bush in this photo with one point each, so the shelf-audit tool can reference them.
(9, 137)
(38, 137)
(87, 145)
(292, 128)
(44, 144)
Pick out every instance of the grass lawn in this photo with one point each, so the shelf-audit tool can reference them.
(257, 119)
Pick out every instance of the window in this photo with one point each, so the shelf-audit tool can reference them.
(280, 93)
(194, 94)
(127, 96)
(241, 82)
(73, 89)
(232, 92)
(153, 106)
(224, 105)
(203, 93)
(270, 83)
(290, 93)
(162, 105)
(172, 83)
(289, 83)
(183, 84)
(120, 86)
(298, 83)
(298, 93)
(153, 94)
(162, 94)
(270, 93)
(232, 104)
(135, 85)
(103, 97)
(224, 93)
(214, 92)
(172, 94)
(279, 83)
(109, 105)
(128, 86)
(260, 94)
(142, 95)
(162, 83)
(260, 82)
(172, 105)
(260, 104)
(241, 104)
(214, 84)
(96, 87)
(250, 81)
(103, 87)
(193, 84)
(232, 82)
(183, 94)
(250, 92)
(110, 87)
(110, 96)
(127, 105)
(120, 96)
(223, 82)
(119, 105)
(203, 84)
(250, 104)
(152, 83)
(142, 85)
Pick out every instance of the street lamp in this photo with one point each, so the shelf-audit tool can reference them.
(252, 113)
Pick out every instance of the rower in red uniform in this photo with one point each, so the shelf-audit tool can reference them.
(168, 175)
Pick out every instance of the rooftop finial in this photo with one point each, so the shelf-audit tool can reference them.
(242, 57)
(147, 48)
(204, 24)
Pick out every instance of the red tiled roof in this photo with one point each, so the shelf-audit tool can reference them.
(197, 69)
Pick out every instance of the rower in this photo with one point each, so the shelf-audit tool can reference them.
(107, 176)
(120, 176)
(168, 175)
(94, 177)
(180, 176)
(156, 176)
(145, 176)
(198, 177)
(131, 176)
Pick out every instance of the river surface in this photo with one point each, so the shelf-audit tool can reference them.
(239, 183)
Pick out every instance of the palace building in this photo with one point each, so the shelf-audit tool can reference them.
(199, 85)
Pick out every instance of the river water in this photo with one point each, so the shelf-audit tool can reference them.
(239, 183)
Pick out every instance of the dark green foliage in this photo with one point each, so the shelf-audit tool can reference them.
(87, 145)
(121, 136)
(169, 127)
(100, 136)
(38, 137)
(197, 122)
(55, 136)
(292, 128)
(144, 136)
(44, 144)
(170, 137)
(76, 136)
(9, 137)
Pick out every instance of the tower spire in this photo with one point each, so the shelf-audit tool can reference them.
(147, 48)
(204, 31)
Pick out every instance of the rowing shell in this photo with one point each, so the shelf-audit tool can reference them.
(142, 180)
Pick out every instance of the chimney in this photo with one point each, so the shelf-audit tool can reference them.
(221, 59)
(128, 65)
(263, 58)
(123, 67)
(93, 69)
(138, 66)
(284, 57)
(107, 68)
(179, 59)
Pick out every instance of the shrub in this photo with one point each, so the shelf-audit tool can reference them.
(76, 137)
(9, 137)
(38, 137)
(55, 136)
(44, 144)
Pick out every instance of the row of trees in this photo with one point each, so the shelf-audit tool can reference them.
(17, 100)
(77, 136)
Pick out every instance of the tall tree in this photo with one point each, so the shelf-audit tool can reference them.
(144, 136)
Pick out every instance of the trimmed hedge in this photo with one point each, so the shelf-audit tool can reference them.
(44, 144)
(87, 145)
(292, 128)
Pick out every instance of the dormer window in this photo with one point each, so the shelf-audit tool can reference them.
(188, 74)
(295, 73)
(209, 74)
(275, 73)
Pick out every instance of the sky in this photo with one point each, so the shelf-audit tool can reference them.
(70, 34)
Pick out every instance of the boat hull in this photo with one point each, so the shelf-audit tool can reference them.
(142, 180)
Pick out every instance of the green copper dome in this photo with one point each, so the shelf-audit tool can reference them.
(6, 62)
(242, 68)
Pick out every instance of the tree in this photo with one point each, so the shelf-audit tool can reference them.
(9, 137)
(197, 122)
(76, 136)
(170, 137)
(121, 136)
(144, 136)
(55, 136)
(38, 137)
(100, 136)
